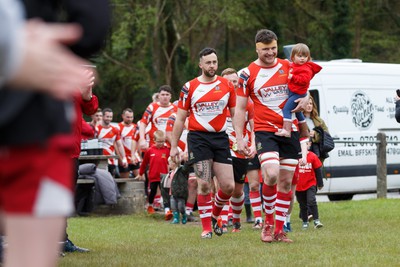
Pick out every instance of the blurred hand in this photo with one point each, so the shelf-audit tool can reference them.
(139, 178)
(241, 147)
(135, 160)
(174, 154)
(124, 162)
(301, 104)
(143, 145)
(47, 65)
(303, 161)
(184, 155)
(290, 74)
(252, 151)
(86, 91)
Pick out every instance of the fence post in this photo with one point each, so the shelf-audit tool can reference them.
(381, 171)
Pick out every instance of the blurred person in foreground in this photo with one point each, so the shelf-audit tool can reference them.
(36, 83)
(94, 26)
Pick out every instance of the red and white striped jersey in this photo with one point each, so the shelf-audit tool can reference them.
(182, 143)
(127, 135)
(108, 136)
(246, 130)
(207, 104)
(267, 87)
(157, 116)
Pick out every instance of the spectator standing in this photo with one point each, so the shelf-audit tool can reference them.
(156, 158)
(85, 103)
(128, 131)
(314, 120)
(206, 99)
(265, 82)
(309, 179)
(110, 136)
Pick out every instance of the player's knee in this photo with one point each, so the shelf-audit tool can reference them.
(228, 189)
(203, 189)
(255, 186)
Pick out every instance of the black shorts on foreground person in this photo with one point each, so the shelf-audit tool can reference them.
(287, 147)
(209, 145)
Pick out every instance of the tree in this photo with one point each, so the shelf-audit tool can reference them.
(152, 43)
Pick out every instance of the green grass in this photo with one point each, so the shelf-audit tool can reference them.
(355, 233)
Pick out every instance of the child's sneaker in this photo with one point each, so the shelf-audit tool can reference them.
(184, 218)
(176, 218)
(287, 227)
(318, 224)
(150, 210)
(225, 228)
(305, 226)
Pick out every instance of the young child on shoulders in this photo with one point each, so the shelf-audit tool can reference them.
(309, 180)
(300, 75)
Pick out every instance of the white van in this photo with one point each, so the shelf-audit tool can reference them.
(356, 99)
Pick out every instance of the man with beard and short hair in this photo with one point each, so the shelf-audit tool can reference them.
(206, 99)
(111, 139)
(265, 82)
(128, 130)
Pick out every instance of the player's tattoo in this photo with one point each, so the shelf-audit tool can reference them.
(203, 170)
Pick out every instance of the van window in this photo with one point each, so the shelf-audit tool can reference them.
(315, 95)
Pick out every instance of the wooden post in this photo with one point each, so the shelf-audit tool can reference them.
(381, 171)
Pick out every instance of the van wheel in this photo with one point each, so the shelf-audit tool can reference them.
(340, 197)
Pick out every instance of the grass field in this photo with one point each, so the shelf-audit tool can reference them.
(355, 233)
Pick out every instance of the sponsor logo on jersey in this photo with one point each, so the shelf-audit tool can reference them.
(210, 108)
(161, 121)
